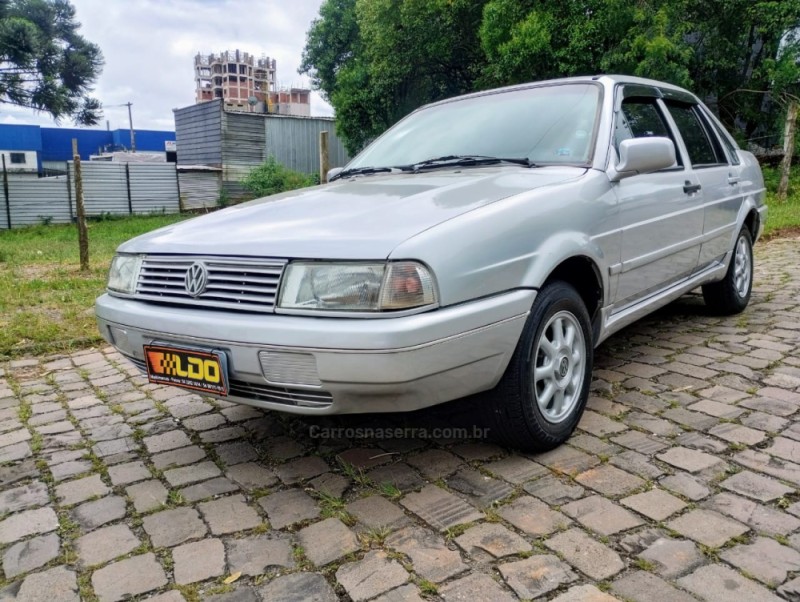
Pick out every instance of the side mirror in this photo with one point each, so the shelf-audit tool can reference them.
(333, 172)
(642, 155)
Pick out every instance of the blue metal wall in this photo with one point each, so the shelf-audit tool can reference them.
(55, 144)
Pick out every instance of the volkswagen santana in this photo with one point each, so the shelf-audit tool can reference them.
(484, 244)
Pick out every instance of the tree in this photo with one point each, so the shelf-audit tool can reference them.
(377, 60)
(44, 63)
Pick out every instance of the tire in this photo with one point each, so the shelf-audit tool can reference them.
(519, 412)
(732, 294)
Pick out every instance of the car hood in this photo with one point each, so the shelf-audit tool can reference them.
(363, 217)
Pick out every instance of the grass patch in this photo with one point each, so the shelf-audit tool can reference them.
(783, 217)
(46, 302)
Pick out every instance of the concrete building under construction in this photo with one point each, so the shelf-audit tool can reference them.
(246, 83)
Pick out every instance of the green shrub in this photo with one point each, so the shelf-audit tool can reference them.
(272, 178)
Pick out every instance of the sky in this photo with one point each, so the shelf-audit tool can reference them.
(149, 48)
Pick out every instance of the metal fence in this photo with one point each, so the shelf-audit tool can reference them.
(108, 188)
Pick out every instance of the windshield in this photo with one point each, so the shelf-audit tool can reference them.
(546, 125)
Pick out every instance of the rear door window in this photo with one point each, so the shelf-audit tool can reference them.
(703, 147)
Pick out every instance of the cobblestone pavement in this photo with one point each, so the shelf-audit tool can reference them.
(680, 484)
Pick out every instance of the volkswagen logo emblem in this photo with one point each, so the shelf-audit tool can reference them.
(563, 368)
(196, 279)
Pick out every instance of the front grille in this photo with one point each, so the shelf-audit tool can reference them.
(239, 284)
(259, 392)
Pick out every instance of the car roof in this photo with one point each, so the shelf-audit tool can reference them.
(603, 79)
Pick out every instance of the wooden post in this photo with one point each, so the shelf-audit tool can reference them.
(83, 234)
(324, 158)
(5, 193)
(788, 149)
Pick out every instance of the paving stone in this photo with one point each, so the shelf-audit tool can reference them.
(765, 559)
(105, 544)
(493, 539)
(365, 458)
(609, 480)
(224, 434)
(516, 469)
(12, 437)
(129, 577)
(70, 469)
(330, 484)
(301, 469)
(326, 541)
(535, 576)
(208, 489)
(655, 504)
(567, 460)
(482, 490)
(686, 485)
(759, 517)
(553, 490)
(91, 515)
(202, 423)
(756, 486)
(431, 558)
(599, 425)
(737, 433)
(166, 441)
(601, 515)
(12, 453)
(30, 522)
(229, 515)
(439, 508)
(764, 422)
(640, 586)
(533, 517)
(584, 593)
(376, 512)
(633, 462)
(478, 450)
(695, 440)
(23, 497)
(644, 444)
(400, 475)
(299, 587)
(172, 527)
(147, 495)
(198, 561)
(178, 457)
(237, 452)
(688, 459)
(173, 596)
(404, 593)
(288, 507)
(191, 474)
(31, 554)
(673, 558)
(80, 490)
(706, 527)
(718, 583)
(435, 463)
(122, 474)
(116, 446)
(251, 476)
(372, 576)
(790, 590)
(17, 472)
(255, 555)
(592, 558)
(476, 586)
(776, 467)
(54, 584)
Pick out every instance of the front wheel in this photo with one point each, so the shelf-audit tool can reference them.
(732, 294)
(541, 397)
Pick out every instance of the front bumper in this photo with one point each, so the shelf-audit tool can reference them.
(359, 365)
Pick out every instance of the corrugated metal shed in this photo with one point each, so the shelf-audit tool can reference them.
(105, 184)
(198, 130)
(200, 187)
(294, 142)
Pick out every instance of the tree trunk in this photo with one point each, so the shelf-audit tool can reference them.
(788, 149)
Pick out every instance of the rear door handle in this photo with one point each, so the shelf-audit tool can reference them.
(733, 180)
(690, 188)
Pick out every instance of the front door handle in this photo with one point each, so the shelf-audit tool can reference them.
(690, 188)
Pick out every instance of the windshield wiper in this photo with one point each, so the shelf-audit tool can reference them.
(362, 171)
(468, 160)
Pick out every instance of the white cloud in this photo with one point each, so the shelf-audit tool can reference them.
(149, 48)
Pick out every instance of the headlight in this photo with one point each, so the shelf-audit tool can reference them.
(356, 286)
(123, 273)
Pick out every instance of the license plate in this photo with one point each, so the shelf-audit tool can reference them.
(188, 368)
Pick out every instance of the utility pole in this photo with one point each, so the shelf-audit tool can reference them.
(130, 121)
